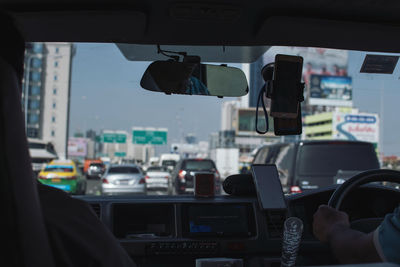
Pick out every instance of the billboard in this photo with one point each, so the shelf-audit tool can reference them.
(361, 126)
(330, 90)
(324, 73)
(77, 147)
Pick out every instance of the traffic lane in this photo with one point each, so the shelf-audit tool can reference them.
(93, 187)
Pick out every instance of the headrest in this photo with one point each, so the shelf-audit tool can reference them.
(12, 48)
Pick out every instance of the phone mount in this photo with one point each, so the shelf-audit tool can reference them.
(270, 85)
(269, 91)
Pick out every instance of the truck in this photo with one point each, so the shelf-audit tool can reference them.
(169, 160)
(41, 152)
(227, 161)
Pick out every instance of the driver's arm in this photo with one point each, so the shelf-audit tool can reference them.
(349, 246)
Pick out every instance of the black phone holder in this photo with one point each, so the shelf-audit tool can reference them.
(269, 88)
(270, 85)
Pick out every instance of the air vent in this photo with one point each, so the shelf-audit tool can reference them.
(275, 220)
(96, 208)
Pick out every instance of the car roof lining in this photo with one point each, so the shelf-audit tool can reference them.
(354, 24)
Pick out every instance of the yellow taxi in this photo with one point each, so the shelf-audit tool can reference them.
(63, 174)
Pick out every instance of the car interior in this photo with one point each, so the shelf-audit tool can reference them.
(159, 230)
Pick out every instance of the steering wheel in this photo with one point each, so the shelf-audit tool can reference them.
(379, 175)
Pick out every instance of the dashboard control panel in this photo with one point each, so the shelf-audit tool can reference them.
(183, 247)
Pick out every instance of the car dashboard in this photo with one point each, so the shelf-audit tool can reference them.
(175, 230)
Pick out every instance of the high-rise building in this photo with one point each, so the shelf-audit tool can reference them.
(32, 93)
(46, 92)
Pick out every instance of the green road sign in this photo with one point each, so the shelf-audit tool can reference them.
(120, 138)
(144, 137)
(108, 137)
(120, 154)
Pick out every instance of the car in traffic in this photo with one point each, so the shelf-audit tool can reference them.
(123, 179)
(185, 170)
(158, 178)
(41, 153)
(169, 161)
(95, 170)
(305, 165)
(64, 175)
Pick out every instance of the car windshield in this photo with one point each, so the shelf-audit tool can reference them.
(169, 163)
(53, 168)
(327, 160)
(97, 165)
(121, 170)
(86, 100)
(156, 169)
(199, 165)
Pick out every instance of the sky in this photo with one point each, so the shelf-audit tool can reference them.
(106, 95)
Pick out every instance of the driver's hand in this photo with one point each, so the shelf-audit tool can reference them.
(328, 220)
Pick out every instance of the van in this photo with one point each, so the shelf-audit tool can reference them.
(169, 160)
(306, 165)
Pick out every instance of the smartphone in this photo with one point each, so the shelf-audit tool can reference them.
(268, 186)
(289, 126)
(287, 77)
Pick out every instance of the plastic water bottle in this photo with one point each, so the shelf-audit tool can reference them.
(292, 231)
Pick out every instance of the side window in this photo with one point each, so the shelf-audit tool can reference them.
(284, 162)
(261, 156)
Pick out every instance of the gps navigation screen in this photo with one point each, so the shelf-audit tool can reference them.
(219, 220)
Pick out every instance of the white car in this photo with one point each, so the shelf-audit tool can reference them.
(158, 178)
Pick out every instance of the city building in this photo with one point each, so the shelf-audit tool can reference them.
(46, 92)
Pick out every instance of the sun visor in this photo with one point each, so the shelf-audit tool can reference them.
(58, 26)
(297, 31)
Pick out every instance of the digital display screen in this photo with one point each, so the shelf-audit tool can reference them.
(219, 220)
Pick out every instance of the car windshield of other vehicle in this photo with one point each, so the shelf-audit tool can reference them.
(169, 163)
(156, 169)
(117, 170)
(51, 168)
(327, 160)
(199, 165)
(98, 165)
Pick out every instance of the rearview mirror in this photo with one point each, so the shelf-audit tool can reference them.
(172, 77)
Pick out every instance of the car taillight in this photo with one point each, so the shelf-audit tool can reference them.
(42, 177)
(142, 181)
(182, 174)
(70, 177)
(295, 190)
(104, 181)
(146, 177)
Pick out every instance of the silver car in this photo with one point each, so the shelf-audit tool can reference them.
(158, 178)
(123, 179)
